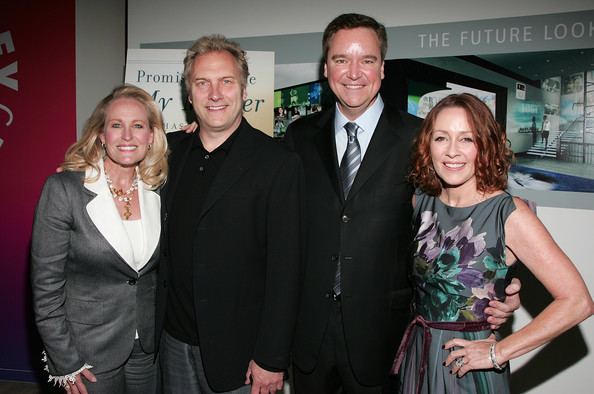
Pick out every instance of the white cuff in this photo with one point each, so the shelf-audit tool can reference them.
(62, 381)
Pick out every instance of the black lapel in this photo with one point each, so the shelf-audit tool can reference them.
(241, 156)
(382, 144)
(326, 144)
(177, 160)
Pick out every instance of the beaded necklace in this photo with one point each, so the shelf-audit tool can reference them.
(123, 196)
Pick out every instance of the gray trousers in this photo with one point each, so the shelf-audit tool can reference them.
(137, 376)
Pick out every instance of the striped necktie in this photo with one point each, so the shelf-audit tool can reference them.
(351, 160)
(348, 170)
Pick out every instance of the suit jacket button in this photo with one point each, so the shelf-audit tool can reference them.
(131, 282)
(345, 219)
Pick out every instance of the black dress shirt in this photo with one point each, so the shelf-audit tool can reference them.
(201, 167)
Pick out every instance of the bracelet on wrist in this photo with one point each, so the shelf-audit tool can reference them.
(493, 358)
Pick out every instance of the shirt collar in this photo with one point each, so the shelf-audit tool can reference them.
(366, 122)
(225, 146)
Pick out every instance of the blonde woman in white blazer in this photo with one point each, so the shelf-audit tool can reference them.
(95, 249)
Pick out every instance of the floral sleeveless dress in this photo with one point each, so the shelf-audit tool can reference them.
(459, 266)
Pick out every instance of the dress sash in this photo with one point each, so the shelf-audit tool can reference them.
(463, 326)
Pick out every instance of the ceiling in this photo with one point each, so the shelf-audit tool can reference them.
(541, 65)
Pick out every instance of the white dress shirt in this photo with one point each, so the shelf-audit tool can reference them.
(367, 123)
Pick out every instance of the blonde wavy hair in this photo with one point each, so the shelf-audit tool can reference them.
(87, 151)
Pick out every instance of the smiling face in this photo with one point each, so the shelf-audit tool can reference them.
(453, 149)
(354, 69)
(217, 93)
(127, 132)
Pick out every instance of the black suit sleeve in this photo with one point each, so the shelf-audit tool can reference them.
(283, 256)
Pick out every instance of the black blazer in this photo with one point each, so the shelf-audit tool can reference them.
(246, 271)
(369, 232)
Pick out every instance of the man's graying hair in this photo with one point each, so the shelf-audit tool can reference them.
(215, 43)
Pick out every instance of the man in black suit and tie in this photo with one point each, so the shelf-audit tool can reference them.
(228, 283)
(356, 295)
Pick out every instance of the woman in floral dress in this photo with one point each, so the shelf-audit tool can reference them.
(469, 231)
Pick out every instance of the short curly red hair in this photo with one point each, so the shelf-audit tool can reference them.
(493, 159)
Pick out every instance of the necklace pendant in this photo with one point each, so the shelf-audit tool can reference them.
(123, 196)
(127, 212)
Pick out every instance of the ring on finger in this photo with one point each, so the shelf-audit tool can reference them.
(459, 362)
